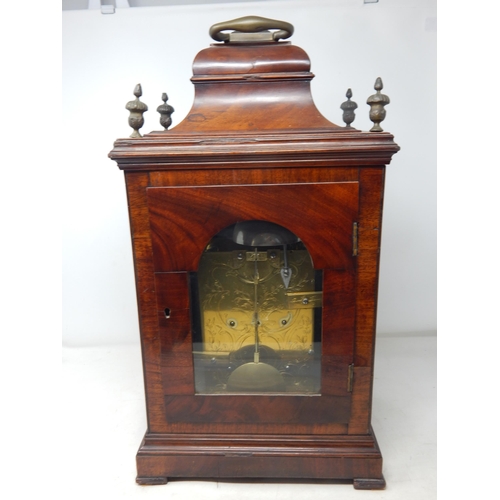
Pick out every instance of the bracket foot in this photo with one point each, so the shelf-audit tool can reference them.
(143, 481)
(369, 484)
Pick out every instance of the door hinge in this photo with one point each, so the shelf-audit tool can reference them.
(350, 377)
(354, 239)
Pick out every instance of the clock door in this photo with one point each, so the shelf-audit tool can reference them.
(256, 305)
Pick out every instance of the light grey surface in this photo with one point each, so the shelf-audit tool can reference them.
(349, 44)
(104, 421)
(86, 4)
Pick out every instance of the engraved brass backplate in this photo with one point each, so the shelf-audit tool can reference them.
(258, 330)
(258, 323)
(228, 300)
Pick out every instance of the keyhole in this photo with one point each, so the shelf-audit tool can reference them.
(167, 312)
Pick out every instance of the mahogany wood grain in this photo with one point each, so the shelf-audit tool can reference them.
(184, 220)
(361, 398)
(250, 429)
(250, 59)
(172, 293)
(339, 312)
(136, 184)
(282, 410)
(230, 87)
(234, 467)
(262, 175)
(288, 149)
(369, 236)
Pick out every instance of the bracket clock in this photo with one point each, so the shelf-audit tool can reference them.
(256, 235)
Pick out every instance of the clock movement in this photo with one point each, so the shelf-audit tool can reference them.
(255, 228)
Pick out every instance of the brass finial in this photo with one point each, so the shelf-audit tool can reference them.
(165, 111)
(377, 102)
(137, 109)
(348, 108)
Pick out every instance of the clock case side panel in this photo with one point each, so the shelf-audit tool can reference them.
(367, 275)
(136, 185)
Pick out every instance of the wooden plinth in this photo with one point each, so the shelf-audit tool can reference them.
(346, 457)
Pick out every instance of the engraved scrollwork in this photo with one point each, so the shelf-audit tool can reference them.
(228, 292)
(251, 318)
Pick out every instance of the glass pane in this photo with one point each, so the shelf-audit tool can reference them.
(258, 327)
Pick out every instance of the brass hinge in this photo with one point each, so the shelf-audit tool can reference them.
(354, 239)
(350, 377)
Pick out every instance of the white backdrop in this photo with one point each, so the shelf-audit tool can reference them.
(349, 44)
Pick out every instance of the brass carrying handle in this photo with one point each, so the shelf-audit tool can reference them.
(251, 24)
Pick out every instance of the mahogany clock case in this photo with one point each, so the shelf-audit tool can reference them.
(255, 148)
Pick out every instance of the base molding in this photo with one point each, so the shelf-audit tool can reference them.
(355, 458)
